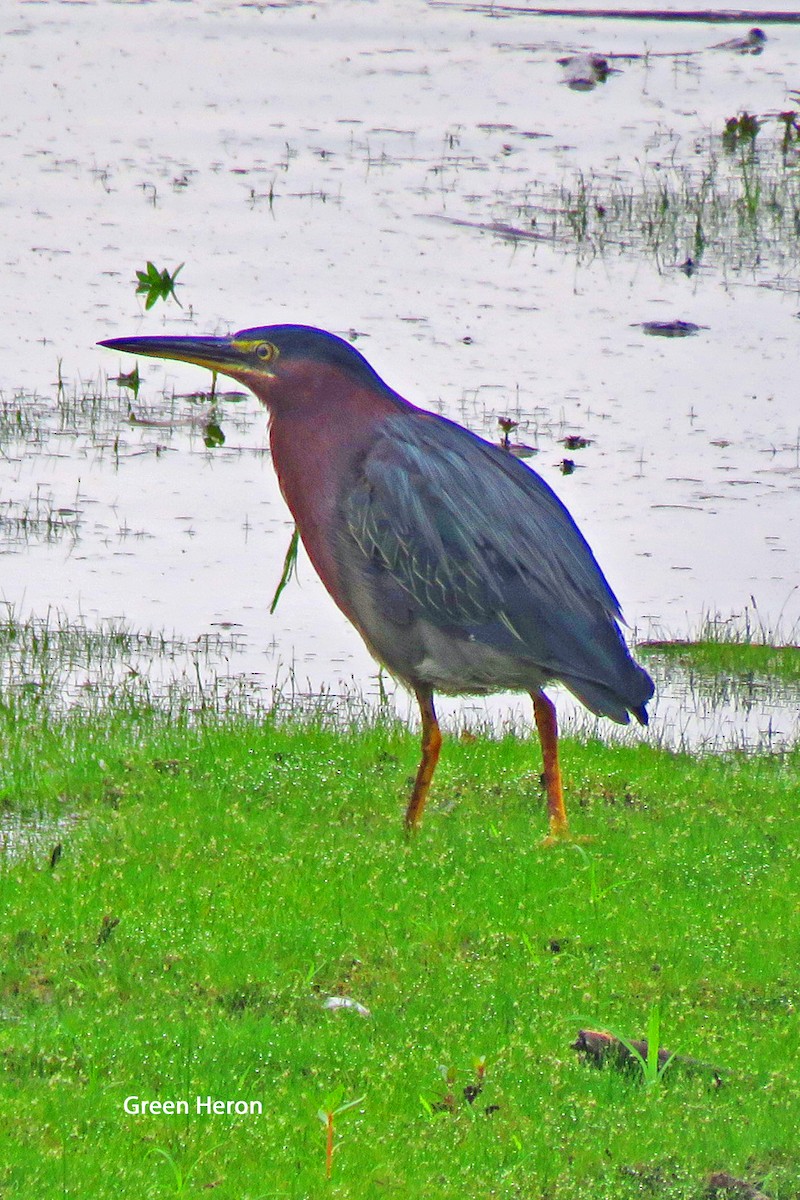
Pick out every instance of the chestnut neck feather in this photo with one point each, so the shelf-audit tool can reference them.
(322, 421)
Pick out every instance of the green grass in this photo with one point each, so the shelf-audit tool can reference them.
(255, 869)
(736, 210)
(736, 660)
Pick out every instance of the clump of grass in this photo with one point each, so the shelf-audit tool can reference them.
(55, 663)
(741, 131)
(28, 421)
(17, 420)
(38, 520)
(651, 1067)
(736, 209)
(736, 647)
(730, 659)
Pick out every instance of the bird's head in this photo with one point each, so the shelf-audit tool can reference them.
(272, 360)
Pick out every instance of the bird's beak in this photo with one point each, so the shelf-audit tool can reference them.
(221, 354)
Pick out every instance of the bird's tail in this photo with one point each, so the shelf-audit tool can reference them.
(617, 701)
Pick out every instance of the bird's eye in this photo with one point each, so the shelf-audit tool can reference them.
(265, 351)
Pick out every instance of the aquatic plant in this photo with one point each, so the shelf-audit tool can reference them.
(157, 285)
(737, 206)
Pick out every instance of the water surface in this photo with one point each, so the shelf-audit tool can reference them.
(395, 172)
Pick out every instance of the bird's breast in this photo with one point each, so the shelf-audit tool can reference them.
(316, 450)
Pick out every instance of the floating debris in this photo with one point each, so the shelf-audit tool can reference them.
(518, 449)
(509, 233)
(688, 266)
(668, 328)
(336, 1002)
(738, 1189)
(157, 285)
(567, 466)
(583, 72)
(129, 379)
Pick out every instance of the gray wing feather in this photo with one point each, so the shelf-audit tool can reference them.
(478, 543)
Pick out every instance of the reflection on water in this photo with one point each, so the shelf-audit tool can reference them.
(718, 712)
(56, 667)
(36, 837)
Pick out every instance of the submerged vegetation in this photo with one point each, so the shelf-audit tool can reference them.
(735, 205)
(739, 649)
(732, 660)
(58, 665)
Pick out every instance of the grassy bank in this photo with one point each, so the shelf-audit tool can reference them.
(215, 885)
(728, 659)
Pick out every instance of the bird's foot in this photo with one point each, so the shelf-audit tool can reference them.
(562, 835)
(410, 830)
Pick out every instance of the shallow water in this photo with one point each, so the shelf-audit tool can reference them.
(399, 184)
(37, 836)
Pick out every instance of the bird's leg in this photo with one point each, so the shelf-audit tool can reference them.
(547, 724)
(431, 745)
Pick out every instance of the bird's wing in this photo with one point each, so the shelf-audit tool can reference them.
(479, 542)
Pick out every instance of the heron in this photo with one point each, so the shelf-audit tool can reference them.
(458, 565)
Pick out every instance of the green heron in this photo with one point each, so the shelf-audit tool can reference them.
(460, 568)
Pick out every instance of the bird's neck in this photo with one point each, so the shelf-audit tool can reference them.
(319, 429)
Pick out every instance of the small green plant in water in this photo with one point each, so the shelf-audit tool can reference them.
(157, 285)
(130, 380)
(740, 132)
(791, 130)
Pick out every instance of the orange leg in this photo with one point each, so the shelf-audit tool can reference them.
(545, 713)
(431, 745)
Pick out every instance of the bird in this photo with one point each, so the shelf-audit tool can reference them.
(753, 42)
(457, 563)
